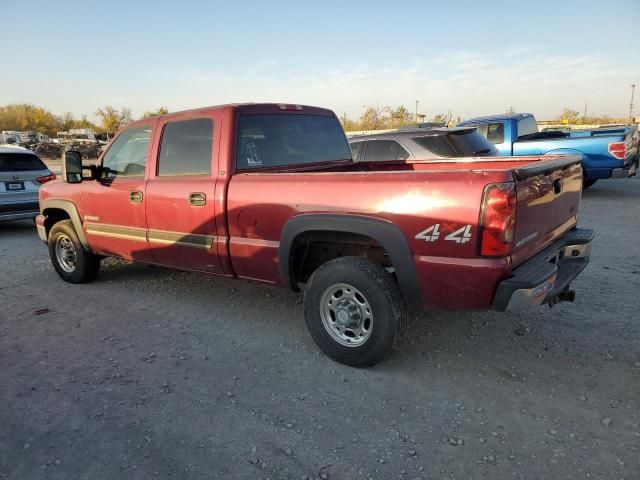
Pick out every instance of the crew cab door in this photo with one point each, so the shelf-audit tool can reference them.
(113, 207)
(180, 193)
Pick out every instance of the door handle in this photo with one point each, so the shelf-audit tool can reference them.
(135, 197)
(197, 199)
(557, 186)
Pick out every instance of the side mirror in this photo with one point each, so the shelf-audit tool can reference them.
(72, 167)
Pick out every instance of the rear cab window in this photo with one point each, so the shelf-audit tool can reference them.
(461, 143)
(527, 127)
(186, 148)
(20, 162)
(279, 140)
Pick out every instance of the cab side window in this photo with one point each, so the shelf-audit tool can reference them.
(356, 148)
(186, 148)
(127, 156)
(495, 133)
(384, 150)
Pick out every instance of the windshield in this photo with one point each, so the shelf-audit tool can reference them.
(457, 144)
(289, 139)
(20, 162)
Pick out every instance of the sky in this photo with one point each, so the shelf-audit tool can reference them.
(473, 58)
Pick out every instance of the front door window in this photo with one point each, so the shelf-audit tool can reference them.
(127, 156)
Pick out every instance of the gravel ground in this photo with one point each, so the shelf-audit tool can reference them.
(148, 373)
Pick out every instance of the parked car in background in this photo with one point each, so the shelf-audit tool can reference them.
(21, 174)
(269, 192)
(606, 152)
(421, 144)
(415, 126)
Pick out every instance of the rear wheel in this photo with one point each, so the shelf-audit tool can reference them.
(354, 311)
(69, 258)
(588, 182)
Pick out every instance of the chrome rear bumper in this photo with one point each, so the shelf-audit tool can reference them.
(545, 278)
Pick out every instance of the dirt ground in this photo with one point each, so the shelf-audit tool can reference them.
(148, 373)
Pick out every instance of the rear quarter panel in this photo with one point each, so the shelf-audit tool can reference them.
(259, 205)
(597, 161)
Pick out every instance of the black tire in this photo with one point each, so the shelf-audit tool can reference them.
(86, 265)
(382, 299)
(588, 182)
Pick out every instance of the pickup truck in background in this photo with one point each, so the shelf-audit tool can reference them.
(606, 152)
(270, 193)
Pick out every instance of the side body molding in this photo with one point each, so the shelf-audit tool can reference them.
(72, 211)
(384, 232)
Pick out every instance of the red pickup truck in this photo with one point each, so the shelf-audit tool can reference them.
(269, 192)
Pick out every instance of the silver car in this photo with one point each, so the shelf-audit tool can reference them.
(21, 174)
(430, 144)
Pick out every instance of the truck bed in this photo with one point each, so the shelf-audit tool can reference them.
(413, 196)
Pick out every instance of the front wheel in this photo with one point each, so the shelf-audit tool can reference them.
(69, 258)
(354, 311)
(588, 182)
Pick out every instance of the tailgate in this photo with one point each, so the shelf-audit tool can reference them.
(548, 196)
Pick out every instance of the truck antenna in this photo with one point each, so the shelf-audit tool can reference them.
(633, 87)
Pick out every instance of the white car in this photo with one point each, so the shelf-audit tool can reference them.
(21, 174)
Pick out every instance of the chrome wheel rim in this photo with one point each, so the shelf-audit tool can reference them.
(346, 315)
(66, 253)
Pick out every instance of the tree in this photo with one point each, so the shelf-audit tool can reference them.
(510, 111)
(347, 124)
(84, 122)
(66, 121)
(113, 119)
(399, 117)
(153, 113)
(25, 117)
(372, 118)
(569, 116)
(442, 118)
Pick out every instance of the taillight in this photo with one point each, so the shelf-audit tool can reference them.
(284, 106)
(498, 219)
(46, 178)
(618, 149)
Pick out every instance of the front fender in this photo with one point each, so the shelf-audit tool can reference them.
(70, 208)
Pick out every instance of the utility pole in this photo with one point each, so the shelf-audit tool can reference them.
(416, 119)
(585, 109)
(633, 87)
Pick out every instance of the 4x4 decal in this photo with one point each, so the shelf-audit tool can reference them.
(431, 234)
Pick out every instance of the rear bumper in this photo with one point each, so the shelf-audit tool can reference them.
(542, 278)
(621, 169)
(629, 170)
(18, 210)
(6, 217)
